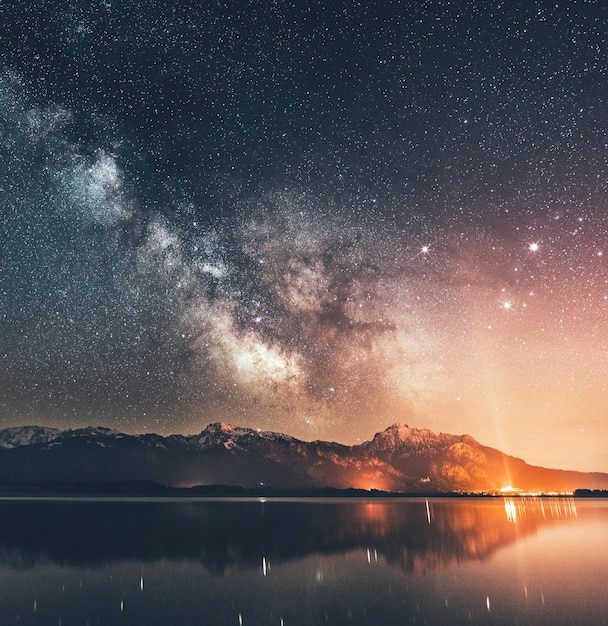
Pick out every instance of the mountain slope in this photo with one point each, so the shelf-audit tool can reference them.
(398, 459)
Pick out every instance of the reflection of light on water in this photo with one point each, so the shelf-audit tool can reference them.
(471, 549)
(428, 512)
(547, 508)
(376, 512)
(510, 510)
(141, 583)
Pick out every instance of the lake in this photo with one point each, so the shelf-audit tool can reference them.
(254, 562)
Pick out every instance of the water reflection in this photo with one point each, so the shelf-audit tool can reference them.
(526, 561)
(415, 535)
(547, 508)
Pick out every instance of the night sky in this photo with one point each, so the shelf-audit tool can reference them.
(314, 218)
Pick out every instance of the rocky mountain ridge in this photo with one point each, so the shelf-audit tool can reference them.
(399, 458)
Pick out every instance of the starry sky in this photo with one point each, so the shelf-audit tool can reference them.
(319, 218)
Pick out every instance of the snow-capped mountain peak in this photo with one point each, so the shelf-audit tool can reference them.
(27, 435)
(230, 436)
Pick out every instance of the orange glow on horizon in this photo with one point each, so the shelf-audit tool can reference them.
(370, 483)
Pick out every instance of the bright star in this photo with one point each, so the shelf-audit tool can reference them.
(533, 247)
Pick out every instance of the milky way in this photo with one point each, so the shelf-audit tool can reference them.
(320, 220)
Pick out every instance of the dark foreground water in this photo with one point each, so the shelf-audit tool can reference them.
(400, 562)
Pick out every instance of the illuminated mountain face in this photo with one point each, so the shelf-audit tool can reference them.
(397, 459)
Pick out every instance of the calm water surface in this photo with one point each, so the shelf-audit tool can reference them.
(522, 561)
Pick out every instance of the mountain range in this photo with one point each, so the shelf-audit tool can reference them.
(400, 459)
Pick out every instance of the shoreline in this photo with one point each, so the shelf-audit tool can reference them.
(152, 491)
